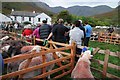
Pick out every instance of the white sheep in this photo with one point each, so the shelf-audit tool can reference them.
(38, 61)
(82, 68)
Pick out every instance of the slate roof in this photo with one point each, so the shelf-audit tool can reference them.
(24, 13)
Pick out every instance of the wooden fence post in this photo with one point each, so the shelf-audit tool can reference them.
(99, 37)
(73, 52)
(34, 40)
(105, 65)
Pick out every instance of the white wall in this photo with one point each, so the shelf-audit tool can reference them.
(42, 17)
(19, 19)
(13, 18)
(34, 20)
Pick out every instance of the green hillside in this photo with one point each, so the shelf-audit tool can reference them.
(112, 16)
(22, 6)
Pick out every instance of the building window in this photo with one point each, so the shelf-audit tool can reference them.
(46, 19)
(29, 18)
(15, 18)
(22, 18)
(38, 19)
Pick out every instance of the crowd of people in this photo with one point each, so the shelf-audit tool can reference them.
(62, 32)
(59, 32)
(10, 26)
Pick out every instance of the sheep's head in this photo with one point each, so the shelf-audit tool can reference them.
(87, 54)
(37, 48)
(5, 48)
(4, 38)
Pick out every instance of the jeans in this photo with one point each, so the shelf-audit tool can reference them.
(86, 42)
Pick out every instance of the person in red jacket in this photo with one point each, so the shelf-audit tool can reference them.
(27, 32)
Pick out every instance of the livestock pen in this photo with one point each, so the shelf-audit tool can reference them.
(109, 38)
(66, 63)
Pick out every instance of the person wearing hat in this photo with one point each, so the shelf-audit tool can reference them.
(27, 32)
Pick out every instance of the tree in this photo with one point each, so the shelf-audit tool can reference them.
(65, 15)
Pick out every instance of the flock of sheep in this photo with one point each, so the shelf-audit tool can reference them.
(12, 47)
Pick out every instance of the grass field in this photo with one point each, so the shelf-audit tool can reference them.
(113, 60)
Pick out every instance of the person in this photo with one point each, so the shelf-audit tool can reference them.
(7, 26)
(55, 23)
(76, 35)
(16, 26)
(67, 34)
(1, 64)
(110, 30)
(44, 30)
(2, 25)
(27, 32)
(58, 32)
(36, 34)
(83, 29)
(88, 31)
(11, 27)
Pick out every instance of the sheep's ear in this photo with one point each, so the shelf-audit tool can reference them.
(91, 56)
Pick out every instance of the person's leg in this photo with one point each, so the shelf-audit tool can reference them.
(78, 52)
(1, 64)
(86, 41)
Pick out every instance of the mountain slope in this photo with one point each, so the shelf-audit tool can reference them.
(112, 15)
(43, 7)
(77, 10)
(22, 6)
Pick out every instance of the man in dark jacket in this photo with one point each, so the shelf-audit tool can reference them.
(59, 32)
(83, 29)
(44, 30)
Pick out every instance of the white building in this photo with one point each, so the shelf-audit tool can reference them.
(4, 18)
(32, 17)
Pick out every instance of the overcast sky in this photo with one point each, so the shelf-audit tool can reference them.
(91, 3)
(68, 3)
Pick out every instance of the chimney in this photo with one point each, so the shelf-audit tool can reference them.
(13, 10)
(33, 11)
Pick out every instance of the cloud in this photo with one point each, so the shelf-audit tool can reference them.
(68, 3)
(92, 3)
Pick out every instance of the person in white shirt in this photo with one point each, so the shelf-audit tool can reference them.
(76, 35)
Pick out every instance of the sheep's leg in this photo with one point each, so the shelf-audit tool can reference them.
(49, 69)
(49, 75)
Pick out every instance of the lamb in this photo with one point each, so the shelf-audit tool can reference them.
(82, 68)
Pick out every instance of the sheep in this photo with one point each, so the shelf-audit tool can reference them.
(4, 38)
(13, 66)
(36, 61)
(19, 65)
(82, 68)
(11, 48)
